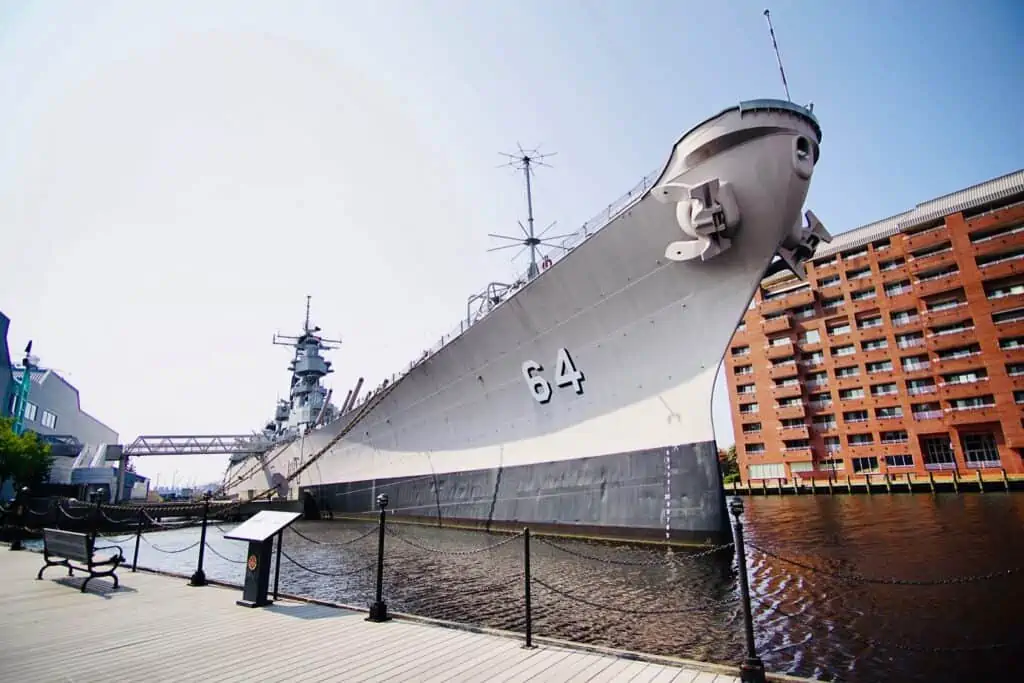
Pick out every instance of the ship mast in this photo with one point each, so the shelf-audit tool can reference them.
(778, 58)
(308, 398)
(524, 161)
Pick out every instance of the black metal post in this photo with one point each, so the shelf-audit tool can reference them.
(199, 576)
(96, 516)
(752, 668)
(138, 538)
(379, 610)
(19, 506)
(526, 587)
(277, 562)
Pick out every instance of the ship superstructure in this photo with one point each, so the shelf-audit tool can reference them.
(577, 398)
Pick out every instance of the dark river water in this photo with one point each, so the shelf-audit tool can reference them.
(810, 620)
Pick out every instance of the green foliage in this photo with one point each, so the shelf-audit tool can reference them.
(24, 458)
(727, 463)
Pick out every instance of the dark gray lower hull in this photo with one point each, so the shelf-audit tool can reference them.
(672, 494)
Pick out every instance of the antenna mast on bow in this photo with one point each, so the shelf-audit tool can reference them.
(775, 45)
(524, 161)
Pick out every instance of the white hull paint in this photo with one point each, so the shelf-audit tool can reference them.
(648, 333)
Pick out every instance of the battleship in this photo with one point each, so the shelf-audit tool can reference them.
(577, 399)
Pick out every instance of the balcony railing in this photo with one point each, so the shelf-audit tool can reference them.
(928, 415)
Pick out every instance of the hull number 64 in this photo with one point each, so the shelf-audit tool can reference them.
(566, 375)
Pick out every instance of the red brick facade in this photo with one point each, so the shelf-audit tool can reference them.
(902, 355)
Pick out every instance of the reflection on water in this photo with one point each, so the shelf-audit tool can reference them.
(807, 622)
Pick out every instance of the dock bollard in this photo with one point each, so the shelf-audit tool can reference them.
(199, 576)
(752, 668)
(526, 587)
(379, 609)
(138, 537)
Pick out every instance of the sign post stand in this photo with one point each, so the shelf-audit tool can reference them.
(259, 531)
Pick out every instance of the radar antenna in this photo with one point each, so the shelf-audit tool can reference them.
(775, 45)
(524, 161)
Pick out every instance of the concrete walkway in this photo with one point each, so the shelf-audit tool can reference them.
(156, 628)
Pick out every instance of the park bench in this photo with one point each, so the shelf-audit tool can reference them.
(81, 549)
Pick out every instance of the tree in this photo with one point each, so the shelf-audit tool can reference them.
(23, 458)
(727, 463)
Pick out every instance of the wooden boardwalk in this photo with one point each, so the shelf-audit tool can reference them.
(156, 628)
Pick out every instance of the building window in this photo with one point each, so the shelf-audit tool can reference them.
(748, 408)
(980, 450)
(898, 436)
(14, 404)
(754, 448)
(899, 460)
(879, 366)
(851, 371)
(772, 471)
(832, 444)
(855, 416)
(740, 351)
(863, 295)
(890, 413)
(865, 465)
(875, 344)
(810, 337)
(850, 394)
(49, 420)
(30, 410)
(832, 465)
(938, 453)
(861, 439)
(752, 428)
(828, 281)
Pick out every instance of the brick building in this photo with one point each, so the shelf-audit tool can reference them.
(903, 352)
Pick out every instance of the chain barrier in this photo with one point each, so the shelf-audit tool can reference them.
(163, 550)
(638, 563)
(221, 556)
(395, 534)
(680, 610)
(319, 572)
(329, 544)
(858, 578)
(60, 508)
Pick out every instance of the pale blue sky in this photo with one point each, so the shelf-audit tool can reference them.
(175, 177)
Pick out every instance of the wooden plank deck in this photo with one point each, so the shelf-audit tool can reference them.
(157, 628)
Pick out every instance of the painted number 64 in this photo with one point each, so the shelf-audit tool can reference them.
(566, 374)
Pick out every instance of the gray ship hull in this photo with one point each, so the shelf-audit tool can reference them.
(560, 405)
(613, 496)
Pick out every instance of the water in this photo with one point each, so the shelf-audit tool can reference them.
(806, 622)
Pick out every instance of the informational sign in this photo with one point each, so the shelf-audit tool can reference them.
(262, 525)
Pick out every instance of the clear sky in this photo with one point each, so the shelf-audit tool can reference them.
(175, 177)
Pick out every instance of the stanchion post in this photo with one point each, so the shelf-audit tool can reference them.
(379, 610)
(138, 538)
(752, 668)
(20, 505)
(526, 587)
(277, 562)
(96, 513)
(199, 576)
